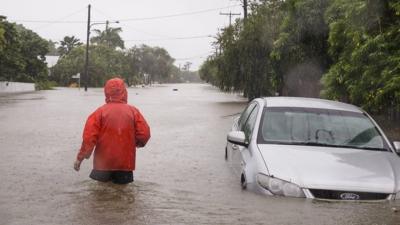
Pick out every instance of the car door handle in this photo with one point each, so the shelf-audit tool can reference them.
(235, 147)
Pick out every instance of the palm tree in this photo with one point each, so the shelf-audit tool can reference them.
(109, 37)
(67, 44)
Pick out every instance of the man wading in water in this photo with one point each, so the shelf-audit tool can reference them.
(114, 131)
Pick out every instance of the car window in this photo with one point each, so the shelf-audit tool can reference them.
(245, 115)
(249, 125)
(291, 125)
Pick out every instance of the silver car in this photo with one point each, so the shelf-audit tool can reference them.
(313, 148)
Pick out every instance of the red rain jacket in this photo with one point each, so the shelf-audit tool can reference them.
(115, 129)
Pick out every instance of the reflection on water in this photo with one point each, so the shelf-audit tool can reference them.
(107, 203)
(120, 197)
(181, 177)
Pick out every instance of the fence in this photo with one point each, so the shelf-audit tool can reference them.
(15, 87)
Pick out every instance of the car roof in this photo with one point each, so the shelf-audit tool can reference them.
(309, 103)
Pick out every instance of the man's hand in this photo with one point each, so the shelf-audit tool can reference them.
(77, 165)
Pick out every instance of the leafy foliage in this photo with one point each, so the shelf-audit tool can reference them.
(22, 53)
(107, 58)
(109, 37)
(243, 61)
(363, 42)
(53, 51)
(143, 64)
(300, 52)
(281, 48)
(343, 50)
(67, 44)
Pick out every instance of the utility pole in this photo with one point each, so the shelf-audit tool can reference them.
(106, 31)
(245, 9)
(86, 76)
(87, 51)
(187, 66)
(230, 14)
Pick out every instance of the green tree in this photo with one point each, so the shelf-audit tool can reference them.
(22, 54)
(106, 62)
(2, 34)
(300, 53)
(242, 61)
(208, 71)
(68, 44)
(109, 37)
(155, 62)
(69, 65)
(33, 51)
(132, 68)
(11, 62)
(52, 48)
(293, 46)
(363, 42)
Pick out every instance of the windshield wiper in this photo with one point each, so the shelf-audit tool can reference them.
(343, 146)
(366, 148)
(309, 143)
(312, 143)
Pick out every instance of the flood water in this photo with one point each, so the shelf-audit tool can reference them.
(181, 176)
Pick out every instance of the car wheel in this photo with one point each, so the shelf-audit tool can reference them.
(243, 181)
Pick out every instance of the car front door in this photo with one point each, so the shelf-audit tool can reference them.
(235, 150)
(248, 128)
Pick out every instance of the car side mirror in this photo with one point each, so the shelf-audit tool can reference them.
(237, 138)
(396, 145)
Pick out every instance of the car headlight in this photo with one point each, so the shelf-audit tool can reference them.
(279, 187)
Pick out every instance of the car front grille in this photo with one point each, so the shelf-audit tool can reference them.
(347, 195)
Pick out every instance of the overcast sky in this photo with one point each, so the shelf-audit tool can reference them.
(198, 19)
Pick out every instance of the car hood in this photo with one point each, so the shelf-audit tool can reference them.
(328, 168)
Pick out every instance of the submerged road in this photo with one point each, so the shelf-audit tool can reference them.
(181, 175)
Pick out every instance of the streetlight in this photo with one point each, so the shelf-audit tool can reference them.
(89, 25)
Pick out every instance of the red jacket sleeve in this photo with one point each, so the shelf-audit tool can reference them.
(90, 135)
(142, 129)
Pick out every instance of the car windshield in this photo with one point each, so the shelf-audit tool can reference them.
(319, 127)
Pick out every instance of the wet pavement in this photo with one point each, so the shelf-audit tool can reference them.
(181, 176)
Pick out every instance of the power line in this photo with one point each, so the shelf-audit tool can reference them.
(101, 12)
(173, 38)
(230, 14)
(50, 22)
(162, 37)
(133, 28)
(146, 32)
(127, 20)
(178, 14)
(47, 21)
(194, 57)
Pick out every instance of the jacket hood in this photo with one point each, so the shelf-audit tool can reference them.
(115, 91)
